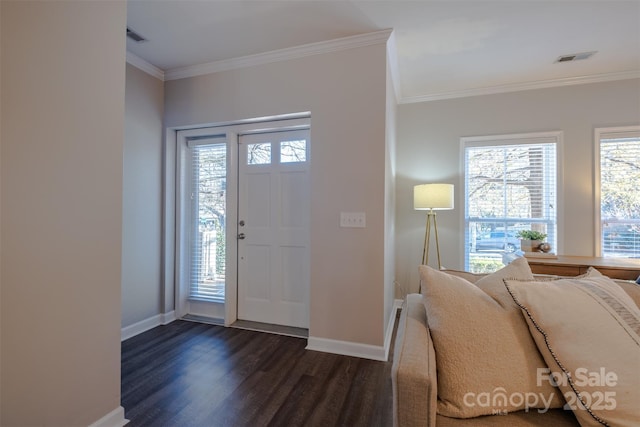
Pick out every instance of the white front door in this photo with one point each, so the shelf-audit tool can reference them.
(273, 228)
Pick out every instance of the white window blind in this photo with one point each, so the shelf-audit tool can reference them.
(510, 185)
(620, 193)
(208, 221)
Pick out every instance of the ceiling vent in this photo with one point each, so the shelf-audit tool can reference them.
(135, 36)
(575, 56)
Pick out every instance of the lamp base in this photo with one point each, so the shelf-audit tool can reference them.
(431, 217)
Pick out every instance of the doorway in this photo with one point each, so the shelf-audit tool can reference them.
(242, 223)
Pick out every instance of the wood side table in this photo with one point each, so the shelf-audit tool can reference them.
(565, 265)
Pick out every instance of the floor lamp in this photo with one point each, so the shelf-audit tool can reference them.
(432, 197)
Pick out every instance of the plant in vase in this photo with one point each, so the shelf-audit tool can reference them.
(530, 240)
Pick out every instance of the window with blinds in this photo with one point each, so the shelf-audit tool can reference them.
(619, 197)
(510, 185)
(208, 221)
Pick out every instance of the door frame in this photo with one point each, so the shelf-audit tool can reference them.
(174, 252)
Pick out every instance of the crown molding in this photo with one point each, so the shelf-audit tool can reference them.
(145, 66)
(295, 52)
(516, 87)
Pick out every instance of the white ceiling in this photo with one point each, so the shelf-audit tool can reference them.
(444, 48)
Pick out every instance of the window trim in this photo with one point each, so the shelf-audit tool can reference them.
(598, 135)
(556, 137)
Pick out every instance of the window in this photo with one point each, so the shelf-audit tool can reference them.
(293, 151)
(617, 195)
(208, 220)
(259, 154)
(290, 152)
(510, 185)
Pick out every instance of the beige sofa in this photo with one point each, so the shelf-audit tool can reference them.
(415, 385)
(415, 379)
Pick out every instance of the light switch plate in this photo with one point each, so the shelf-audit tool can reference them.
(353, 219)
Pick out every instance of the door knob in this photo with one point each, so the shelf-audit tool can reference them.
(241, 223)
(241, 236)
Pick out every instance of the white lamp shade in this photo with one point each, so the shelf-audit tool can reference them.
(433, 196)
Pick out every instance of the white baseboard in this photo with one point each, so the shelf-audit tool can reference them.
(171, 316)
(397, 305)
(346, 348)
(146, 324)
(114, 418)
(365, 351)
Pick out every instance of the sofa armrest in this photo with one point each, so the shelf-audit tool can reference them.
(413, 374)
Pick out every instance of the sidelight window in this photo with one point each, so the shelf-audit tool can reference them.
(208, 221)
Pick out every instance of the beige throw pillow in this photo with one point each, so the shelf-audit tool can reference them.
(486, 359)
(471, 277)
(588, 331)
(632, 289)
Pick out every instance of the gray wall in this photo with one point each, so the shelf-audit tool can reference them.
(429, 151)
(142, 290)
(63, 79)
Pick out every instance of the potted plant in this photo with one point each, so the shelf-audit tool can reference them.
(530, 240)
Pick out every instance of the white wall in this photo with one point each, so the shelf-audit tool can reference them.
(62, 131)
(429, 151)
(345, 93)
(142, 289)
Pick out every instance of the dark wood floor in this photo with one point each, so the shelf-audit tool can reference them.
(192, 374)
